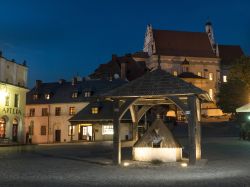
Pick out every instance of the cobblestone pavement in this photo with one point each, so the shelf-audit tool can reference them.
(88, 164)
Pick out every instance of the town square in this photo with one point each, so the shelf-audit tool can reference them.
(124, 93)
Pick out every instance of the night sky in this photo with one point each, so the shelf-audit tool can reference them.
(65, 38)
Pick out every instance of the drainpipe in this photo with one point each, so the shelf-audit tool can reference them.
(48, 123)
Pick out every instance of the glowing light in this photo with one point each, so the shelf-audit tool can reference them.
(125, 164)
(3, 95)
(184, 164)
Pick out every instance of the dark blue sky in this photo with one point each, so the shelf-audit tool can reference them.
(60, 38)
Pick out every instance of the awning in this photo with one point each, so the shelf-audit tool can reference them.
(244, 108)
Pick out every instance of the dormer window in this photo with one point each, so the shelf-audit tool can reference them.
(35, 96)
(47, 96)
(74, 94)
(87, 94)
(95, 110)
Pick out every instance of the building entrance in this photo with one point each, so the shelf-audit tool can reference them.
(58, 135)
(85, 132)
(14, 130)
(2, 128)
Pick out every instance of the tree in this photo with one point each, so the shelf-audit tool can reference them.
(235, 92)
(232, 95)
(241, 71)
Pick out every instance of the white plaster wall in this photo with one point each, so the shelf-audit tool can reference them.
(162, 154)
(52, 122)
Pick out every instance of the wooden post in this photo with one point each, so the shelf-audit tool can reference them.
(116, 136)
(198, 129)
(133, 112)
(192, 125)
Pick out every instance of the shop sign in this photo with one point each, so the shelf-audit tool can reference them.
(9, 110)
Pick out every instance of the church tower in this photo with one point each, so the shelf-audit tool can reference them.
(210, 33)
(149, 44)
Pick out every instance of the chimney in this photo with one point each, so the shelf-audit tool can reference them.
(123, 70)
(38, 83)
(74, 81)
(61, 81)
(114, 57)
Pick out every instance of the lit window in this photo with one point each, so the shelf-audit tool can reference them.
(71, 111)
(32, 112)
(43, 130)
(45, 112)
(58, 111)
(71, 130)
(211, 76)
(211, 93)
(7, 100)
(35, 96)
(107, 129)
(16, 101)
(47, 96)
(74, 94)
(199, 73)
(175, 73)
(87, 94)
(94, 110)
(224, 78)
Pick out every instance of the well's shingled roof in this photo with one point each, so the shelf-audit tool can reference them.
(229, 53)
(62, 93)
(155, 83)
(105, 113)
(168, 140)
(182, 43)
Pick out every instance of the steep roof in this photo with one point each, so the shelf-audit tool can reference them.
(181, 43)
(155, 83)
(105, 113)
(134, 69)
(62, 92)
(158, 131)
(229, 53)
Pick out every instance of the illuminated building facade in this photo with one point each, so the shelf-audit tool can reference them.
(50, 106)
(13, 83)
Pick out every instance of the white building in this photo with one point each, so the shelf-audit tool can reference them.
(50, 105)
(13, 82)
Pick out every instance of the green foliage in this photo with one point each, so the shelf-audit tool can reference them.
(235, 92)
(241, 71)
(232, 95)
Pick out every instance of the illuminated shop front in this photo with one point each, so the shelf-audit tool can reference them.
(12, 103)
(94, 123)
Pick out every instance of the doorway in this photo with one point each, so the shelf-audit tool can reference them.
(14, 130)
(85, 132)
(2, 128)
(57, 135)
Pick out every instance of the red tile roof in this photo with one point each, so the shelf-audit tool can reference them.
(181, 43)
